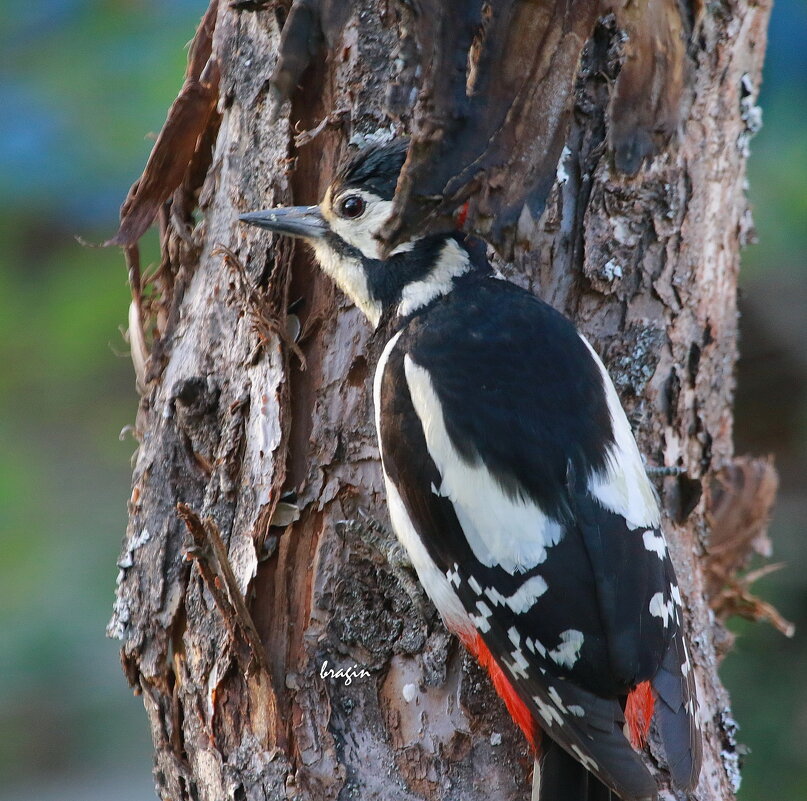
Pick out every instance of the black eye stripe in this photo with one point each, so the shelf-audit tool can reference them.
(352, 206)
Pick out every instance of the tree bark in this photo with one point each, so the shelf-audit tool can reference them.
(227, 608)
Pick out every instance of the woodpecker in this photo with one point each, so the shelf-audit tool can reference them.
(515, 485)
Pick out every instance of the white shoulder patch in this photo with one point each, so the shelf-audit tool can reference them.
(623, 487)
(513, 534)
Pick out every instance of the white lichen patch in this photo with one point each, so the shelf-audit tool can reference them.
(612, 270)
(750, 113)
(380, 136)
(562, 173)
(731, 764)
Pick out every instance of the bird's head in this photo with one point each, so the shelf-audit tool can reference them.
(344, 229)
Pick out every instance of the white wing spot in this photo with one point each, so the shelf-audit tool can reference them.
(453, 575)
(556, 699)
(585, 760)
(481, 620)
(514, 636)
(676, 594)
(547, 712)
(654, 541)
(577, 711)
(474, 585)
(686, 666)
(523, 598)
(694, 709)
(662, 609)
(519, 667)
(568, 652)
(536, 646)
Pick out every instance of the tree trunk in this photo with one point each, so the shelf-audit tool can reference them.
(227, 608)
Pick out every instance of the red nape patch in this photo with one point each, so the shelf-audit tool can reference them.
(515, 706)
(462, 216)
(639, 713)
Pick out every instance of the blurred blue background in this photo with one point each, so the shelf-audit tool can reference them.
(82, 85)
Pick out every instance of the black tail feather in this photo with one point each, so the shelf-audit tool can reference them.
(677, 714)
(563, 778)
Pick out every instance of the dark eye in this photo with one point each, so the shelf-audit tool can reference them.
(352, 206)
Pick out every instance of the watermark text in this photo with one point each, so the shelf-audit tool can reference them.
(347, 674)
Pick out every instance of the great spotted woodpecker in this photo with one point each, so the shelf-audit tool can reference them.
(515, 484)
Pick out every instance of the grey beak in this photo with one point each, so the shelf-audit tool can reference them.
(305, 222)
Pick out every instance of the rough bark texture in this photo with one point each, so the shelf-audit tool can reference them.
(637, 240)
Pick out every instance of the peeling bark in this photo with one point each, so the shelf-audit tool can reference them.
(611, 179)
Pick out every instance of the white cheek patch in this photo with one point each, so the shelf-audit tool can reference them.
(349, 276)
(362, 231)
(511, 533)
(623, 487)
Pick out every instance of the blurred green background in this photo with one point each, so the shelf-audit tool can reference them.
(82, 83)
